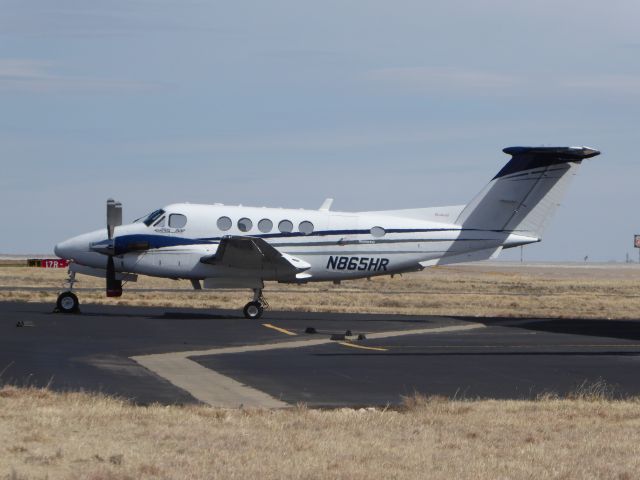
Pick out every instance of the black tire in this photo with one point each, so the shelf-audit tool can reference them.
(68, 303)
(253, 310)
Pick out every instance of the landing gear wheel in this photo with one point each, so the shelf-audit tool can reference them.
(68, 303)
(253, 310)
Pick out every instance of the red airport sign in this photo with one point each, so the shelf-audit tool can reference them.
(48, 262)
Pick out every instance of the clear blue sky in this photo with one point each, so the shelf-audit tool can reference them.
(283, 103)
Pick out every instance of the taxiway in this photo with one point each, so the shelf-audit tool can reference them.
(218, 357)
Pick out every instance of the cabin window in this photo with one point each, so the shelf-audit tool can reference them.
(224, 223)
(177, 220)
(244, 224)
(378, 232)
(306, 227)
(285, 226)
(265, 225)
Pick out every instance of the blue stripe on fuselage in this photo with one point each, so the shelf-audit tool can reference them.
(128, 243)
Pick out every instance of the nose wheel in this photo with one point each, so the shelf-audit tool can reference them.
(254, 309)
(68, 303)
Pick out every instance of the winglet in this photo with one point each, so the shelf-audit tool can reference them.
(326, 205)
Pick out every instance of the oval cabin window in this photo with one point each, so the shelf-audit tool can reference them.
(244, 224)
(265, 225)
(306, 227)
(378, 232)
(224, 223)
(285, 226)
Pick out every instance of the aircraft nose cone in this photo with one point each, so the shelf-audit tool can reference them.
(63, 249)
(78, 247)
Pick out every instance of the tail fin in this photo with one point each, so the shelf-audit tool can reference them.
(522, 197)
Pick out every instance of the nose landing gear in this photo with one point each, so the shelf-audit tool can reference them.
(68, 303)
(67, 300)
(254, 309)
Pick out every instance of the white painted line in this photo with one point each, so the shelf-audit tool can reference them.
(206, 384)
(218, 390)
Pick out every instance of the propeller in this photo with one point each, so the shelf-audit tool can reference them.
(108, 247)
(114, 219)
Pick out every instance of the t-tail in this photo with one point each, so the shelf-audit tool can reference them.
(523, 196)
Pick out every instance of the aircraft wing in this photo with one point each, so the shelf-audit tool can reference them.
(251, 253)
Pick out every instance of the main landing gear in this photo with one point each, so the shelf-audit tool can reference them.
(253, 310)
(67, 300)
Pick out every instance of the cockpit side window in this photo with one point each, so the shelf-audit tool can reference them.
(161, 222)
(153, 216)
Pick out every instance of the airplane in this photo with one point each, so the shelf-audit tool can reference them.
(237, 247)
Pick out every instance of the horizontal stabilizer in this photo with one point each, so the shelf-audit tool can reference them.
(474, 256)
(445, 214)
(529, 158)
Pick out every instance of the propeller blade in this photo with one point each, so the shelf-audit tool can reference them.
(114, 219)
(114, 286)
(114, 216)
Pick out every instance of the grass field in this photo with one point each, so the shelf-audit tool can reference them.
(599, 291)
(81, 436)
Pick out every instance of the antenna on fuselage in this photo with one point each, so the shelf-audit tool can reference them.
(326, 205)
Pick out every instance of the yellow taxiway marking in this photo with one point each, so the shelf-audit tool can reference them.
(354, 345)
(281, 330)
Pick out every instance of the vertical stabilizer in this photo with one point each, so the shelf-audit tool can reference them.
(523, 196)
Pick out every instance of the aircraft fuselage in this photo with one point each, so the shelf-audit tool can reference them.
(336, 245)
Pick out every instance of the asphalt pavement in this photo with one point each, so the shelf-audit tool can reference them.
(105, 349)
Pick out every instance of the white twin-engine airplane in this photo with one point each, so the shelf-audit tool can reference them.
(220, 246)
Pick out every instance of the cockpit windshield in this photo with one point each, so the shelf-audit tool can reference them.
(152, 217)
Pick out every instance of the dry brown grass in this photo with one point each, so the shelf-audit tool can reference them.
(75, 435)
(483, 290)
